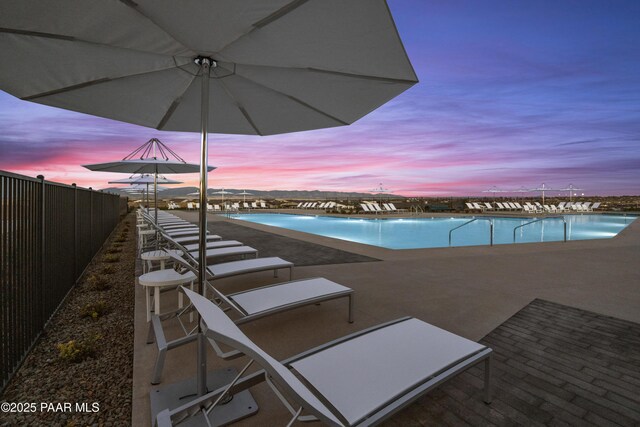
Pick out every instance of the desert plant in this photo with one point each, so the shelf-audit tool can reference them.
(98, 282)
(94, 309)
(75, 351)
(113, 250)
(108, 269)
(111, 258)
(121, 239)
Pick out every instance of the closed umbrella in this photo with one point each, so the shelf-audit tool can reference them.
(244, 67)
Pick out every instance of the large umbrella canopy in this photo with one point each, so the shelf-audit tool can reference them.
(280, 66)
(145, 179)
(245, 67)
(152, 157)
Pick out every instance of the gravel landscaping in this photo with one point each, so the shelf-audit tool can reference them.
(85, 356)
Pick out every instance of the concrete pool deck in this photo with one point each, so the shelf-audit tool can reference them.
(466, 290)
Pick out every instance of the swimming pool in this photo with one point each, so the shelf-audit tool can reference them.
(414, 233)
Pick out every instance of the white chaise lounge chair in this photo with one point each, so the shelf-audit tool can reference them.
(359, 380)
(212, 254)
(250, 305)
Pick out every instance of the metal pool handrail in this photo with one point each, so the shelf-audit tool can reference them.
(564, 221)
(469, 222)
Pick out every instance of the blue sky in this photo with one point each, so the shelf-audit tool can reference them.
(511, 94)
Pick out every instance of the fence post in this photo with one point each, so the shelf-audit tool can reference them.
(75, 231)
(91, 220)
(102, 225)
(42, 250)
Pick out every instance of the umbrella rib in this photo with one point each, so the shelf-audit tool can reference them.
(363, 76)
(174, 105)
(76, 39)
(293, 98)
(244, 112)
(37, 34)
(284, 10)
(133, 5)
(87, 84)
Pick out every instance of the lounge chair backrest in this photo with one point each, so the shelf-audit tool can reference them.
(263, 205)
(499, 205)
(488, 205)
(221, 328)
(254, 205)
(364, 207)
(469, 206)
(518, 206)
(596, 205)
(393, 207)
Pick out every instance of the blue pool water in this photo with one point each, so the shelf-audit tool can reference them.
(410, 233)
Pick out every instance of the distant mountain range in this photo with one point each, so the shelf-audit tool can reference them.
(182, 192)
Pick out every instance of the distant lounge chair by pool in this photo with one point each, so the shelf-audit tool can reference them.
(361, 379)
(376, 207)
(595, 206)
(365, 208)
(263, 205)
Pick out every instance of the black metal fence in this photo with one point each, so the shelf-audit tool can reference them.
(49, 233)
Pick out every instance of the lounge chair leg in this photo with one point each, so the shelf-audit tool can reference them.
(487, 380)
(275, 273)
(350, 308)
(151, 336)
(157, 370)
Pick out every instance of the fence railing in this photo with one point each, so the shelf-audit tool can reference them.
(49, 233)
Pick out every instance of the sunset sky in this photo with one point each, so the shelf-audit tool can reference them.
(511, 94)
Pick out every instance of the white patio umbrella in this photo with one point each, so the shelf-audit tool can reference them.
(493, 190)
(380, 190)
(246, 67)
(543, 188)
(244, 195)
(571, 190)
(152, 157)
(223, 192)
(145, 179)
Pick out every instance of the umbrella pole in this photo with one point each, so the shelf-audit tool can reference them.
(205, 66)
(155, 201)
